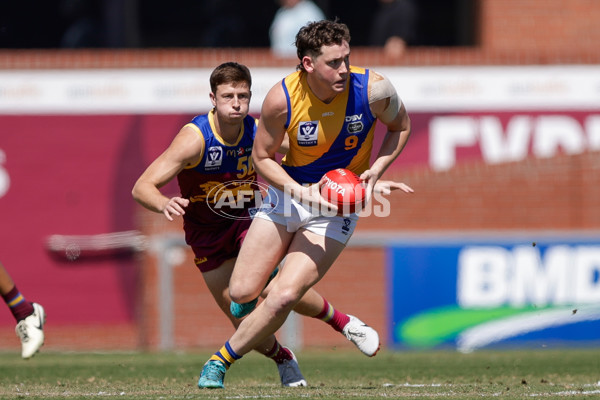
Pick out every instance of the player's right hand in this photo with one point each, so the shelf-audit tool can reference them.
(313, 197)
(175, 206)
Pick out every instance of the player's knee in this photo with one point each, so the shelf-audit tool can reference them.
(242, 292)
(283, 300)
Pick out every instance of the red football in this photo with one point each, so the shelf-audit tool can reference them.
(343, 188)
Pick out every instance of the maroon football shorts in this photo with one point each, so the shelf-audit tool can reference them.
(212, 247)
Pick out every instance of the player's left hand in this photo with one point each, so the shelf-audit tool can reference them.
(369, 178)
(386, 187)
(175, 206)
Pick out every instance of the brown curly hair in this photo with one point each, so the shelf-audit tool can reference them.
(313, 35)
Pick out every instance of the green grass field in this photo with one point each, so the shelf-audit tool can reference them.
(544, 373)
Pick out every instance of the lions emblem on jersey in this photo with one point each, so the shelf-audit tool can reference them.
(308, 133)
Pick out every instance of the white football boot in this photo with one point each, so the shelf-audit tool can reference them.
(362, 335)
(31, 331)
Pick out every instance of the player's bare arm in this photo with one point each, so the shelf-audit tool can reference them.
(270, 137)
(270, 134)
(285, 145)
(388, 108)
(184, 150)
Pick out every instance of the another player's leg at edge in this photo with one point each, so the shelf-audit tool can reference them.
(30, 317)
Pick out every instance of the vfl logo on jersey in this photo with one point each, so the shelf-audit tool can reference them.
(214, 157)
(355, 124)
(308, 133)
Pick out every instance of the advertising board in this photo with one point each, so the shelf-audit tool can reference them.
(472, 294)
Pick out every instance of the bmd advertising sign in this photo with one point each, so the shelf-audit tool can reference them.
(472, 295)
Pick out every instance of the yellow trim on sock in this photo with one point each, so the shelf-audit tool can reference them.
(223, 356)
(329, 314)
(16, 300)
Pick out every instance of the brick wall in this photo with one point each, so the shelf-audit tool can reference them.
(552, 26)
(557, 193)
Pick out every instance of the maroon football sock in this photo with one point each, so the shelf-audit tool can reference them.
(333, 317)
(279, 353)
(17, 304)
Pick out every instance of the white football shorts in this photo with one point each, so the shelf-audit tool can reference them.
(284, 210)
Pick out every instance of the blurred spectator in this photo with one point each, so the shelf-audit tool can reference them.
(86, 29)
(291, 16)
(222, 23)
(394, 26)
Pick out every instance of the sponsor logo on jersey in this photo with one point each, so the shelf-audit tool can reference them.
(353, 118)
(239, 152)
(355, 124)
(355, 127)
(308, 133)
